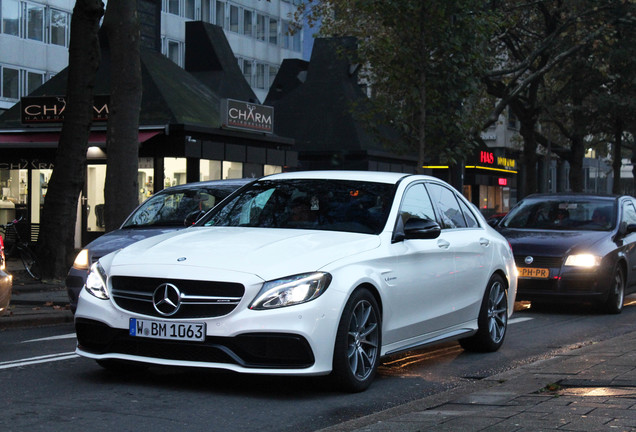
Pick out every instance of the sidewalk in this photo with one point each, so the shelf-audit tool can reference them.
(34, 303)
(591, 388)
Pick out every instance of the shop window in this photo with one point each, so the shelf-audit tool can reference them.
(248, 26)
(234, 18)
(174, 172)
(272, 169)
(220, 14)
(59, 28)
(260, 27)
(273, 31)
(173, 51)
(11, 17)
(94, 203)
(232, 170)
(210, 169)
(35, 22)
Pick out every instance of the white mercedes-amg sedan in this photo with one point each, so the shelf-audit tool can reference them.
(305, 273)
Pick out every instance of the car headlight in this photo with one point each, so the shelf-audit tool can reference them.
(81, 260)
(96, 282)
(291, 290)
(583, 260)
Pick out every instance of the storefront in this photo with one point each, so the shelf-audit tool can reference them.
(489, 180)
(189, 131)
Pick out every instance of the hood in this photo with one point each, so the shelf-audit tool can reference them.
(551, 243)
(121, 238)
(268, 253)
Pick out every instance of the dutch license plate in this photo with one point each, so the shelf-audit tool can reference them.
(184, 331)
(538, 273)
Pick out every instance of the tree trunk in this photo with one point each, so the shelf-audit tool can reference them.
(121, 192)
(59, 215)
(577, 154)
(529, 159)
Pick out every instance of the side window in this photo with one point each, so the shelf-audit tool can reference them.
(446, 202)
(471, 221)
(629, 213)
(417, 203)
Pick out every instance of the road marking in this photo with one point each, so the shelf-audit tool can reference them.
(518, 320)
(36, 360)
(66, 336)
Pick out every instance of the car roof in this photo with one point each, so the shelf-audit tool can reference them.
(372, 176)
(572, 195)
(208, 184)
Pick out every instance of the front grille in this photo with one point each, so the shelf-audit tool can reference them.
(252, 350)
(199, 299)
(539, 261)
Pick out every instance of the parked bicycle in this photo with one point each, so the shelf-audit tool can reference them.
(14, 242)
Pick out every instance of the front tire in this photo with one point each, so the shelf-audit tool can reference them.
(616, 296)
(358, 341)
(31, 264)
(492, 320)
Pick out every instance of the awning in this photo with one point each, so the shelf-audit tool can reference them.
(51, 139)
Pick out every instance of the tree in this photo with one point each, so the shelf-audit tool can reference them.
(121, 192)
(59, 214)
(535, 38)
(422, 61)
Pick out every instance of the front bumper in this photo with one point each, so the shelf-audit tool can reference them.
(295, 340)
(567, 284)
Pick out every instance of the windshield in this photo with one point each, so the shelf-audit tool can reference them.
(171, 208)
(563, 214)
(320, 204)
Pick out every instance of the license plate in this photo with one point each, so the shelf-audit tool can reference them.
(185, 331)
(538, 273)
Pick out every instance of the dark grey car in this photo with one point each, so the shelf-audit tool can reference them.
(168, 210)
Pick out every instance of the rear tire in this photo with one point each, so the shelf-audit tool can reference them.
(616, 296)
(358, 341)
(493, 319)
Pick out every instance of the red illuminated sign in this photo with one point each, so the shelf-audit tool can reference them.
(487, 157)
(503, 181)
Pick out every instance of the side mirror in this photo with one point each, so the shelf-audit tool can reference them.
(630, 228)
(192, 217)
(416, 228)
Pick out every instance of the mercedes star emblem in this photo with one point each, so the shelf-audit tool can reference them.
(166, 299)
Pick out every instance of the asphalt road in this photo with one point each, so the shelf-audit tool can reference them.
(45, 386)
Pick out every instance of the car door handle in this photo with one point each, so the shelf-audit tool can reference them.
(484, 242)
(443, 244)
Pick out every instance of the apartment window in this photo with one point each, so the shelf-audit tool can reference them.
(273, 31)
(189, 9)
(173, 51)
(35, 22)
(247, 22)
(260, 76)
(206, 11)
(273, 70)
(220, 14)
(260, 27)
(59, 28)
(286, 36)
(33, 81)
(234, 18)
(173, 7)
(10, 83)
(11, 17)
(247, 71)
(296, 41)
